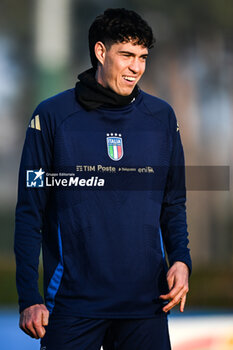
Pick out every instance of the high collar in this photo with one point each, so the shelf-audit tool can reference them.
(92, 95)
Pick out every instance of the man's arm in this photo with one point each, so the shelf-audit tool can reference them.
(174, 225)
(37, 154)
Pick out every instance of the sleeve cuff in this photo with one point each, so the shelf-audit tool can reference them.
(185, 260)
(26, 304)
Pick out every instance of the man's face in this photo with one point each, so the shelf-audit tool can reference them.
(122, 66)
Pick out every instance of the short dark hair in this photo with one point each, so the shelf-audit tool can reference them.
(117, 26)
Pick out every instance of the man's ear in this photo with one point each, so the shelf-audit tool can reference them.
(100, 51)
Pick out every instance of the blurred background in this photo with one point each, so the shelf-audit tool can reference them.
(43, 47)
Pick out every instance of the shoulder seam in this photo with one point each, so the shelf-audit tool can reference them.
(166, 106)
(63, 120)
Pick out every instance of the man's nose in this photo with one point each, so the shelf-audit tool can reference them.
(134, 66)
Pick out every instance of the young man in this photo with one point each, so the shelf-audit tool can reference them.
(101, 186)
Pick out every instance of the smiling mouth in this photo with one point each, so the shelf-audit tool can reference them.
(130, 79)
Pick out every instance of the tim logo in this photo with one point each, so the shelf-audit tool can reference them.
(35, 178)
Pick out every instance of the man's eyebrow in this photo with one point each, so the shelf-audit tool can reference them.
(128, 52)
(132, 53)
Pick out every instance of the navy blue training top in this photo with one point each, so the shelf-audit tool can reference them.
(103, 191)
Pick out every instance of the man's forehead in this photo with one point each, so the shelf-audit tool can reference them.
(131, 46)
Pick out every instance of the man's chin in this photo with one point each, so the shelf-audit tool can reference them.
(123, 91)
(126, 92)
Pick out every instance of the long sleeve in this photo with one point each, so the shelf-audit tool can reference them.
(173, 214)
(37, 154)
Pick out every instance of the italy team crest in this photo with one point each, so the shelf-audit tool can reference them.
(115, 146)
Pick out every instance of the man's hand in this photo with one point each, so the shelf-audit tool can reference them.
(32, 320)
(177, 279)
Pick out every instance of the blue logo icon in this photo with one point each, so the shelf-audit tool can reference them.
(35, 178)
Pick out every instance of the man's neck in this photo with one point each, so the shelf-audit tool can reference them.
(98, 78)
